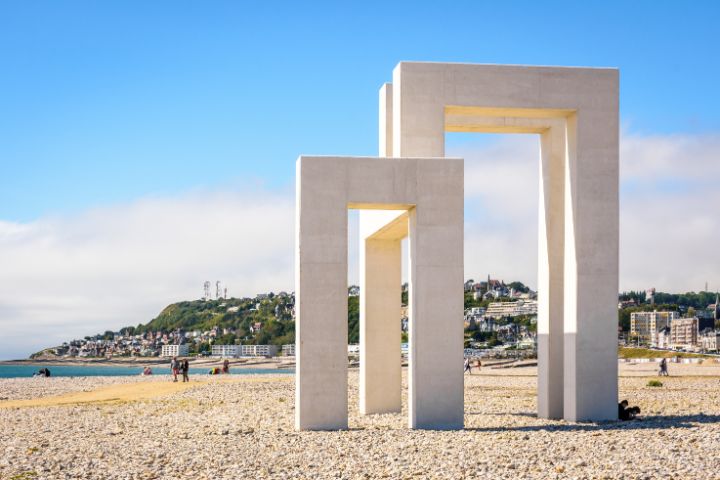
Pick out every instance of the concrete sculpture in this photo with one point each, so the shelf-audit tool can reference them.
(419, 193)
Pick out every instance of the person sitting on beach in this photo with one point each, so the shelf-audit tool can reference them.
(147, 371)
(43, 372)
(627, 413)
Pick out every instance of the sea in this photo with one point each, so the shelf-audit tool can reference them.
(20, 371)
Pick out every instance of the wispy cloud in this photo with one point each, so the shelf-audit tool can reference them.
(669, 210)
(111, 266)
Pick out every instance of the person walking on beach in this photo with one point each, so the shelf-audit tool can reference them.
(185, 368)
(174, 366)
(478, 364)
(226, 366)
(663, 368)
(467, 365)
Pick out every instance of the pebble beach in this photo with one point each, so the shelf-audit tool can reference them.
(242, 426)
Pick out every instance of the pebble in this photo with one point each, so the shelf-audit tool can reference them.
(245, 429)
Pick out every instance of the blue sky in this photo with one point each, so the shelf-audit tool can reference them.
(146, 147)
(108, 101)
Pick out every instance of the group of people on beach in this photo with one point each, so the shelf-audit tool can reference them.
(468, 365)
(663, 368)
(217, 370)
(183, 367)
(178, 366)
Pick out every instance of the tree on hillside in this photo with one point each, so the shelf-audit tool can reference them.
(518, 287)
(354, 319)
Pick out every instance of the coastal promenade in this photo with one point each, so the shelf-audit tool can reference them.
(241, 426)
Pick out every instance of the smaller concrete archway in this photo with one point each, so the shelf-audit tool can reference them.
(429, 192)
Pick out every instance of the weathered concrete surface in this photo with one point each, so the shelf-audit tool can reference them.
(430, 192)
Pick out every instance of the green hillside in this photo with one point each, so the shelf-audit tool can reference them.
(274, 313)
(238, 315)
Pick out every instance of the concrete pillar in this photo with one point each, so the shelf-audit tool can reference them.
(386, 121)
(380, 367)
(591, 264)
(321, 400)
(550, 272)
(436, 384)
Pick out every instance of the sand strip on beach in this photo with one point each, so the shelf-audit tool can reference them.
(110, 394)
(125, 392)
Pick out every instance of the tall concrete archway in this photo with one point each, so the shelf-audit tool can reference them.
(575, 112)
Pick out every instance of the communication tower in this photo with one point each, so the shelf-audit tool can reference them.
(206, 286)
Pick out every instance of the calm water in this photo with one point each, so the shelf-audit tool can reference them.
(13, 371)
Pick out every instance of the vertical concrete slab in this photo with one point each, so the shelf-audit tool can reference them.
(385, 121)
(550, 272)
(419, 124)
(380, 367)
(591, 264)
(435, 394)
(321, 295)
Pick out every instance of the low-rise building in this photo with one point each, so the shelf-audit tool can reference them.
(225, 351)
(175, 350)
(664, 338)
(258, 350)
(288, 350)
(511, 309)
(710, 340)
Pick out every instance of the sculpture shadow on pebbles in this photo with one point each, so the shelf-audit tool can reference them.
(645, 423)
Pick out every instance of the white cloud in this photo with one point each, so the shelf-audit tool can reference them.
(669, 210)
(114, 266)
(501, 192)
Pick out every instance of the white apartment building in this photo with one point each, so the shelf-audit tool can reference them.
(288, 350)
(258, 350)
(175, 350)
(710, 341)
(663, 338)
(225, 351)
(684, 333)
(645, 326)
(511, 309)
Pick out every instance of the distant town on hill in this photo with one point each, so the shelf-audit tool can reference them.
(497, 315)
